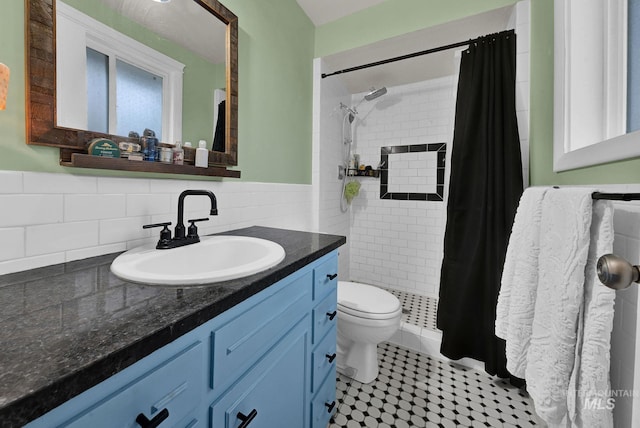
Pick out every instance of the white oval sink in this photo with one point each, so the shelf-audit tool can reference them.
(213, 259)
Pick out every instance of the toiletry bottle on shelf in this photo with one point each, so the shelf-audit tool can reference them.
(178, 154)
(202, 154)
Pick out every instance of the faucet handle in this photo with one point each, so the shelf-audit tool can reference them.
(149, 226)
(165, 233)
(192, 232)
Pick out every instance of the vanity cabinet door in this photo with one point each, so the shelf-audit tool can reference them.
(325, 316)
(274, 392)
(323, 360)
(325, 277)
(324, 403)
(170, 392)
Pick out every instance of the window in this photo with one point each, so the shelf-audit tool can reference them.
(633, 66)
(129, 86)
(597, 100)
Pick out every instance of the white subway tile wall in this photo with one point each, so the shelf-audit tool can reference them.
(624, 338)
(398, 244)
(53, 218)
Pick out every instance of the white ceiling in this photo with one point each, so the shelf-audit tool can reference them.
(324, 11)
(184, 22)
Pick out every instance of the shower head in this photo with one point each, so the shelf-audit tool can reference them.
(615, 272)
(375, 93)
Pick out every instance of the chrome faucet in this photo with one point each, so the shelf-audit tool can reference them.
(179, 239)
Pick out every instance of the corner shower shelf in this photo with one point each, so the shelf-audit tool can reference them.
(363, 173)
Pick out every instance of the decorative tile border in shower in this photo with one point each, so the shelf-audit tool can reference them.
(405, 170)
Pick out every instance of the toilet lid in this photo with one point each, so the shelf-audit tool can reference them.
(366, 301)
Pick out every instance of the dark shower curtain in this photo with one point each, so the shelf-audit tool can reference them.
(484, 191)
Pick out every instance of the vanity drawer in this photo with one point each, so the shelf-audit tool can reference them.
(323, 359)
(324, 403)
(325, 278)
(325, 316)
(175, 386)
(238, 344)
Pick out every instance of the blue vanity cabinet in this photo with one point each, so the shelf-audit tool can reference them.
(323, 357)
(266, 362)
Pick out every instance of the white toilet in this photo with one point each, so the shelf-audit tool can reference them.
(367, 315)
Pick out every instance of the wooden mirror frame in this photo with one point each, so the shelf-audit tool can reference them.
(40, 100)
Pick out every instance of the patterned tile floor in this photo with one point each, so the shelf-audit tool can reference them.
(416, 390)
(418, 310)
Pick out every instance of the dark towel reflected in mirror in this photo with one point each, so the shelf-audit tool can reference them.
(218, 138)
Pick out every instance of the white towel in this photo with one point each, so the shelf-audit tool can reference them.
(590, 378)
(517, 297)
(555, 318)
(564, 246)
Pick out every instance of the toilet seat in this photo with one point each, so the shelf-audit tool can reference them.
(366, 301)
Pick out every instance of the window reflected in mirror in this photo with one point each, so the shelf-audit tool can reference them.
(199, 85)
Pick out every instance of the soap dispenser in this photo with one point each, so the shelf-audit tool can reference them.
(202, 154)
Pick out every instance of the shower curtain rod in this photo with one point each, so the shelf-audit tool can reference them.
(408, 56)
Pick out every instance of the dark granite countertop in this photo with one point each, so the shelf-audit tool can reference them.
(67, 327)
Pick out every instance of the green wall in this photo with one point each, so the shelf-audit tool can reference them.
(276, 53)
(277, 45)
(395, 17)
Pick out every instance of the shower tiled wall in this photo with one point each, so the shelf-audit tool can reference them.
(398, 244)
(54, 218)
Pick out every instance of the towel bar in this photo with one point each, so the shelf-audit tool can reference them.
(614, 271)
(616, 196)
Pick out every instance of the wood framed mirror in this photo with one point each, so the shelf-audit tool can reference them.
(42, 114)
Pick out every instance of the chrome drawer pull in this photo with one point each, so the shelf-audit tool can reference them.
(330, 406)
(332, 277)
(144, 422)
(331, 357)
(246, 419)
(332, 315)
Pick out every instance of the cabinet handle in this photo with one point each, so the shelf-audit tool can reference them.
(332, 277)
(246, 419)
(330, 406)
(331, 357)
(144, 422)
(332, 315)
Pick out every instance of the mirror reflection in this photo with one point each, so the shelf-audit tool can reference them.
(124, 66)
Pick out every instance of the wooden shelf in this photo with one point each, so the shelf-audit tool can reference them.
(81, 160)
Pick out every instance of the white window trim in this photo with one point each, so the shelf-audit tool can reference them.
(609, 128)
(104, 39)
